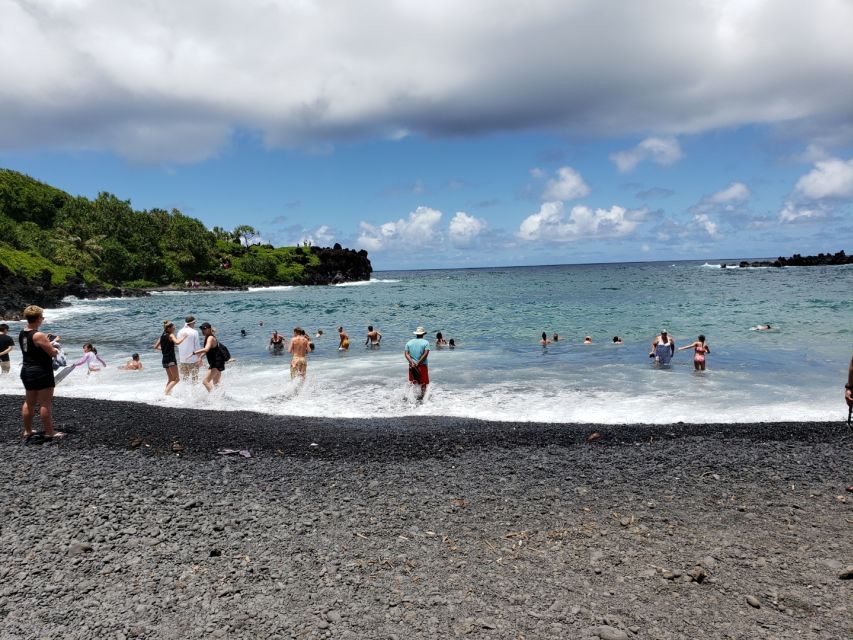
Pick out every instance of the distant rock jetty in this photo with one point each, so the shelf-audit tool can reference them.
(796, 260)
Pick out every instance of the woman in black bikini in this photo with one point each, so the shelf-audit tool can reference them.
(166, 344)
(37, 374)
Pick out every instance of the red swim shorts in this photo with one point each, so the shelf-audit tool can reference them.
(424, 377)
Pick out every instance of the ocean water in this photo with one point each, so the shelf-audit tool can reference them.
(498, 371)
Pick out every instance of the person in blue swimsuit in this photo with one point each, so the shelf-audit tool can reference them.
(663, 348)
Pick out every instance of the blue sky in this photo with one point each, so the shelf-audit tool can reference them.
(491, 133)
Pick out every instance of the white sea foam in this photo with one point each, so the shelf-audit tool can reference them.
(362, 283)
(356, 387)
(80, 308)
(284, 287)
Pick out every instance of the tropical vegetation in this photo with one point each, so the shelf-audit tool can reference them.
(44, 229)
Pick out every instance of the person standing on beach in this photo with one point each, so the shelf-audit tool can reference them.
(373, 337)
(188, 343)
(700, 349)
(298, 348)
(166, 345)
(215, 358)
(663, 348)
(416, 353)
(848, 388)
(6, 346)
(37, 374)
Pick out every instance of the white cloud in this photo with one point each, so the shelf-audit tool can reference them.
(735, 192)
(551, 224)
(171, 81)
(568, 185)
(465, 228)
(791, 213)
(536, 172)
(831, 178)
(704, 222)
(663, 151)
(416, 231)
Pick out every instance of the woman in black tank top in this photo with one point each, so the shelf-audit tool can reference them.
(166, 344)
(37, 374)
(215, 359)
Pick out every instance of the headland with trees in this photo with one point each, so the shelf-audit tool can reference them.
(53, 245)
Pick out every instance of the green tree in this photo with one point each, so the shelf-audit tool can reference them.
(246, 233)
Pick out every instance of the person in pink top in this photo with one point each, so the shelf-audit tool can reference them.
(699, 350)
(90, 358)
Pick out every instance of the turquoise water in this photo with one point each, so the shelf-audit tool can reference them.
(498, 371)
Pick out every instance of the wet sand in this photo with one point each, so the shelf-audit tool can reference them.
(134, 526)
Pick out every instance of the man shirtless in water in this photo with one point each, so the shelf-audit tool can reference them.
(299, 346)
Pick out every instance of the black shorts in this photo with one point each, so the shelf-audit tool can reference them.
(36, 379)
(166, 365)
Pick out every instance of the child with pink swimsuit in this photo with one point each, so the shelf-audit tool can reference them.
(699, 350)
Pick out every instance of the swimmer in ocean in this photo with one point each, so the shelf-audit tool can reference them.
(276, 343)
(544, 341)
(587, 340)
(762, 327)
(617, 340)
(700, 349)
(343, 345)
(439, 340)
(373, 337)
(663, 348)
(134, 364)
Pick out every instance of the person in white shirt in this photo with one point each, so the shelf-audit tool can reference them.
(190, 342)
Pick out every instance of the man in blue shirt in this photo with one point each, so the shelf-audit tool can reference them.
(416, 352)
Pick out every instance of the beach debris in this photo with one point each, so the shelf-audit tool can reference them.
(593, 437)
(244, 453)
(753, 602)
(136, 443)
(177, 447)
(847, 574)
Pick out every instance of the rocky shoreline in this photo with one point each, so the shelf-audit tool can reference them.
(135, 525)
(822, 259)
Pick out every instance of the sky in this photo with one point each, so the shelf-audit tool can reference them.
(445, 133)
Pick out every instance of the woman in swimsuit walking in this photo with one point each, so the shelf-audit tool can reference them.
(215, 359)
(700, 349)
(166, 344)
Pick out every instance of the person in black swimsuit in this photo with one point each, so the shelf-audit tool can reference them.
(276, 344)
(215, 359)
(166, 344)
(37, 374)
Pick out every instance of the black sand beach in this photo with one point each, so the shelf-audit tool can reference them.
(420, 528)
